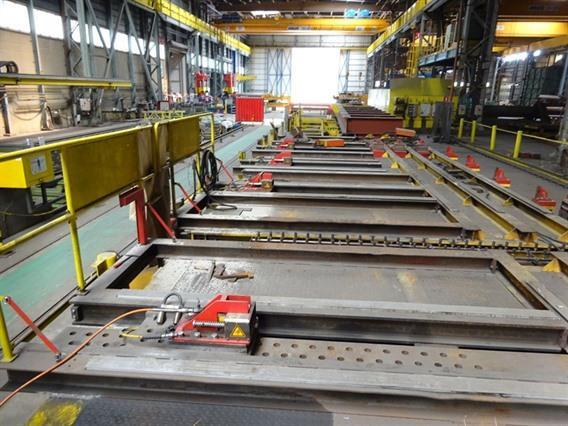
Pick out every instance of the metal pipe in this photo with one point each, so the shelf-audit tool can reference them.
(34, 232)
(518, 141)
(493, 138)
(473, 131)
(5, 344)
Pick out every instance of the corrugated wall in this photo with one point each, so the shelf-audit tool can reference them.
(352, 70)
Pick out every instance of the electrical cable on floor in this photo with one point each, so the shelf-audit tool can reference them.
(71, 355)
(208, 177)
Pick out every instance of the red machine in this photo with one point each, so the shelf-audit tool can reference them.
(262, 181)
(227, 320)
(201, 81)
(229, 80)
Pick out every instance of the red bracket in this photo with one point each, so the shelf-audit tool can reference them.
(262, 181)
(50, 345)
(284, 157)
(136, 195)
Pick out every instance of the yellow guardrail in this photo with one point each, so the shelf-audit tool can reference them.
(406, 18)
(117, 159)
(183, 17)
(519, 136)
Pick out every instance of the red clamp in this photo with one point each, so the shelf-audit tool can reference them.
(500, 178)
(284, 157)
(286, 143)
(228, 320)
(542, 199)
(451, 153)
(470, 163)
(262, 181)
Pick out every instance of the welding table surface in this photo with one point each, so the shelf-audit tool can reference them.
(335, 280)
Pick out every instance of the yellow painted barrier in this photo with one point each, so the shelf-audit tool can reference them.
(5, 344)
(518, 141)
(460, 128)
(473, 131)
(493, 139)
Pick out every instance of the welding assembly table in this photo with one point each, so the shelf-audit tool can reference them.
(404, 274)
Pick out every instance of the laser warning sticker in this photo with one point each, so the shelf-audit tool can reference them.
(238, 332)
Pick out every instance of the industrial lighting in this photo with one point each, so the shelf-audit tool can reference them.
(462, 83)
(537, 53)
(265, 13)
(521, 56)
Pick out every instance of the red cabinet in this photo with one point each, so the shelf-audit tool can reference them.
(249, 108)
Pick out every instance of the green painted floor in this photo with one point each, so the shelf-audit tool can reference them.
(42, 279)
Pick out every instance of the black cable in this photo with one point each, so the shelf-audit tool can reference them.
(208, 176)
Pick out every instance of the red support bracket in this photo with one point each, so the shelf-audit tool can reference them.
(136, 195)
(155, 213)
(50, 345)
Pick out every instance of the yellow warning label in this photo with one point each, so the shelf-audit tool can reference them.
(238, 332)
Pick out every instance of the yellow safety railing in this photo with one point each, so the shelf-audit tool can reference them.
(519, 136)
(97, 166)
(117, 159)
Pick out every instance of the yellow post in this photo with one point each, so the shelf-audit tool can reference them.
(7, 352)
(493, 138)
(212, 134)
(518, 141)
(460, 128)
(473, 129)
(72, 224)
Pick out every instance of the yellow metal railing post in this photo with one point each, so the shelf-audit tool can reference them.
(72, 224)
(518, 141)
(5, 344)
(473, 131)
(460, 128)
(493, 138)
(212, 133)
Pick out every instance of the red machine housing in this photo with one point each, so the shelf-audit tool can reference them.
(229, 80)
(249, 108)
(211, 325)
(201, 80)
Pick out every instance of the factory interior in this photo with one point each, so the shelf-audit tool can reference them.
(283, 212)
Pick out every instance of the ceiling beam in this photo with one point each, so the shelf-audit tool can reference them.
(306, 25)
(295, 6)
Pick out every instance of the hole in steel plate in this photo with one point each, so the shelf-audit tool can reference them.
(276, 344)
(443, 354)
(437, 364)
(294, 345)
(312, 346)
(283, 355)
(340, 358)
(367, 349)
(149, 330)
(398, 362)
(478, 367)
(418, 363)
(105, 334)
(379, 361)
(348, 348)
(303, 356)
(89, 333)
(265, 354)
(359, 359)
(105, 345)
(424, 353)
(72, 333)
(331, 348)
(458, 366)
(404, 352)
(72, 342)
(463, 356)
(321, 357)
(386, 351)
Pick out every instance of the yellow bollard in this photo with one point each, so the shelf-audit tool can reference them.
(473, 129)
(460, 128)
(7, 352)
(518, 141)
(493, 138)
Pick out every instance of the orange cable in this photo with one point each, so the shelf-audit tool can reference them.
(71, 354)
